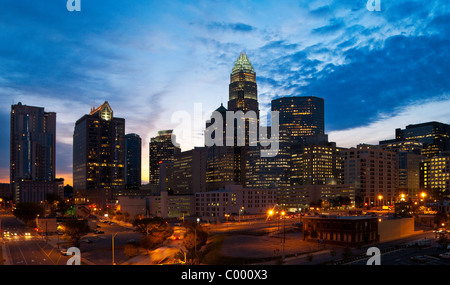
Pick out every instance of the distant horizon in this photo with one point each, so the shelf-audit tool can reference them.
(376, 70)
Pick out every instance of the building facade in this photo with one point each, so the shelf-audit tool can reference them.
(161, 149)
(435, 177)
(299, 117)
(189, 171)
(316, 162)
(434, 136)
(133, 146)
(98, 155)
(409, 159)
(341, 230)
(32, 148)
(233, 200)
(374, 172)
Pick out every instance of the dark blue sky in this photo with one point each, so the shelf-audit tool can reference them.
(377, 71)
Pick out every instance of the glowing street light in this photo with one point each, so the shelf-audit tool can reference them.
(380, 197)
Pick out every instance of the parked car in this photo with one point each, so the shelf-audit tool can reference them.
(445, 255)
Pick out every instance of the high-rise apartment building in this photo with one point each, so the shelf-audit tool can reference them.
(133, 146)
(161, 149)
(434, 136)
(374, 172)
(299, 117)
(409, 159)
(32, 153)
(98, 155)
(32, 141)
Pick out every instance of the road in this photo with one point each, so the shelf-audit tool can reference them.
(100, 250)
(267, 226)
(22, 249)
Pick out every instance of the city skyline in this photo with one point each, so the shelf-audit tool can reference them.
(374, 67)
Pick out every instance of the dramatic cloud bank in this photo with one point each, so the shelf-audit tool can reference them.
(377, 71)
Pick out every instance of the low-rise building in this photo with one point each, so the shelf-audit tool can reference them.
(341, 230)
(233, 201)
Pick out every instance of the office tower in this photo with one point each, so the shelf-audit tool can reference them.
(316, 162)
(266, 172)
(435, 177)
(374, 172)
(32, 153)
(299, 116)
(409, 159)
(243, 91)
(133, 146)
(98, 155)
(161, 149)
(189, 171)
(221, 167)
(435, 137)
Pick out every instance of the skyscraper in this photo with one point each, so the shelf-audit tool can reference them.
(133, 144)
(161, 149)
(33, 140)
(435, 137)
(299, 116)
(243, 91)
(32, 153)
(316, 162)
(98, 155)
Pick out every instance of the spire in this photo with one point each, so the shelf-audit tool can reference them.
(242, 64)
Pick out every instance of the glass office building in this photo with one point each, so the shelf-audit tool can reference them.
(299, 116)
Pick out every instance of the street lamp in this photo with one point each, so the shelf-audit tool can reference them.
(241, 210)
(380, 197)
(284, 232)
(113, 248)
(423, 195)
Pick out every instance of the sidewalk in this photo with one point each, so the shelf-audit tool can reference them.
(5, 256)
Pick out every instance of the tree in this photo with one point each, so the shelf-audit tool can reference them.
(74, 229)
(340, 201)
(28, 211)
(194, 238)
(440, 218)
(156, 231)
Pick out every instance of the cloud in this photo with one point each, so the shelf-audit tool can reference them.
(235, 27)
(384, 127)
(333, 26)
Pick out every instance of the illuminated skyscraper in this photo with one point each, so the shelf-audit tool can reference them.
(161, 149)
(435, 137)
(299, 116)
(98, 155)
(316, 162)
(243, 91)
